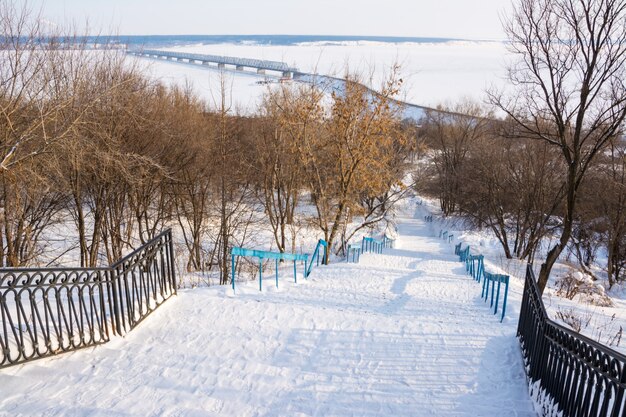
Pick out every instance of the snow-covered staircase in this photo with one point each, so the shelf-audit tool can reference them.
(401, 333)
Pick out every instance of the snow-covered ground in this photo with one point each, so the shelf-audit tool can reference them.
(602, 323)
(432, 73)
(404, 333)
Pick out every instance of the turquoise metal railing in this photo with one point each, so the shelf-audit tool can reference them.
(475, 266)
(464, 254)
(492, 279)
(316, 256)
(445, 235)
(354, 252)
(457, 248)
(368, 244)
(372, 245)
(278, 256)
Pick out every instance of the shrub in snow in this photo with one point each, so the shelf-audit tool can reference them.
(581, 286)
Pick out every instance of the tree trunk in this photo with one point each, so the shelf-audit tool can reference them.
(568, 222)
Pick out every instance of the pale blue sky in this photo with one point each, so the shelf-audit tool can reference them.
(468, 19)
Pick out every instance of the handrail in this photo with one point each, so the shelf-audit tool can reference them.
(279, 256)
(475, 266)
(368, 244)
(316, 256)
(47, 311)
(353, 249)
(569, 374)
(269, 255)
(492, 280)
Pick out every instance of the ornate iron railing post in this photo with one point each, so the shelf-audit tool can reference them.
(171, 262)
(114, 304)
(102, 284)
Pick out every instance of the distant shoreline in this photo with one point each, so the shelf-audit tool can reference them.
(279, 40)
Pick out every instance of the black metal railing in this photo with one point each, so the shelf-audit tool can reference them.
(569, 374)
(49, 311)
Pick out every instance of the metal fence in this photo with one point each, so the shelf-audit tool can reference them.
(475, 266)
(367, 244)
(569, 374)
(55, 310)
(309, 260)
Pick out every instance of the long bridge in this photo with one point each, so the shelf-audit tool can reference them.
(409, 110)
(239, 64)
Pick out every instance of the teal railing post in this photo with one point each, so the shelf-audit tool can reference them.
(260, 274)
(473, 265)
(486, 277)
(276, 273)
(481, 267)
(306, 276)
(232, 269)
(506, 293)
(493, 289)
(295, 272)
(495, 309)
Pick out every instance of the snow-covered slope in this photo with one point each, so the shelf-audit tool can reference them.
(404, 333)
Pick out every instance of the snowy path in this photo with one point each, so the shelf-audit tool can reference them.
(400, 334)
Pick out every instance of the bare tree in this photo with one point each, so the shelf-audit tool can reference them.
(230, 136)
(452, 132)
(569, 87)
(285, 118)
(508, 187)
(602, 215)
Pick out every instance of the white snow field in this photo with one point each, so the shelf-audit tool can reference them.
(403, 333)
